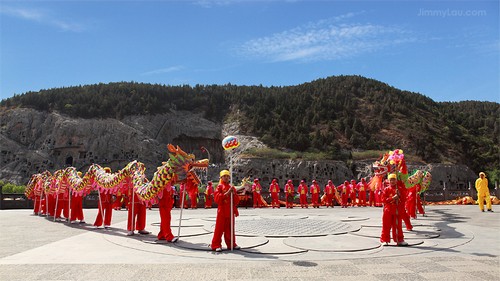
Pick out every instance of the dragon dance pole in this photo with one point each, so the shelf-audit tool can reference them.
(46, 205)
(232, 200)
(57, 201)
(182, 208)
(69, 205)
(100, 211)
(133, 214)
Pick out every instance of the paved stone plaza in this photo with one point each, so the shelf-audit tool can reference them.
(450, 243)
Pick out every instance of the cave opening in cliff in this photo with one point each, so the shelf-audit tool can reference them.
(69, 161)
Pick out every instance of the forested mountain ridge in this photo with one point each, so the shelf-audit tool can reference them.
(335, 114)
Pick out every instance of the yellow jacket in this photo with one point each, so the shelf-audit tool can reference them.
(482, 185)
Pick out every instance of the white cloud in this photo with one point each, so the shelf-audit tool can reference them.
(323, 40)
(164, 70)
(42, 17)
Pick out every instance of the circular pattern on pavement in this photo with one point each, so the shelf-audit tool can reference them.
(292, 228)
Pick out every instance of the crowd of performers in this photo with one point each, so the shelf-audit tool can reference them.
(399, 205)
(348, 194)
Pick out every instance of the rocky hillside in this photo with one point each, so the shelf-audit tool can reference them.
(112, 124)
(34, 141)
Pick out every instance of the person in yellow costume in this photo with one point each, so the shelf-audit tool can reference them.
(483, 192)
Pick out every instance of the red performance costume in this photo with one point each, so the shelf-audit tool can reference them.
(303, 194)
(193, 196)
(165, 204)
(274, 189)
(289, 194)
(209, 195)
(315, 190)
(139, 215)
(352, 193)
(329, 193)
(105, 206)
(344, 193)
(63, 204)
(394, 200)
(223, 194)
(256, 194)
(362, 188)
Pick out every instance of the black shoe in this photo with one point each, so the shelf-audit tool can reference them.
(490, 210)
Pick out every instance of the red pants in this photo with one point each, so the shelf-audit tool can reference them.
(139, 217)
(406, 218)
(62, 206)
(372, 198)
(51, 205)
(165, 228)
(344, 200)
(362, 199)
(257, 203)
(76, 208)
(274, 200)
(315, 199)
(289, 201)
(329, 200)
(223, 227)
(209, 201)
(390, 221)
(420, 208)
(108, 209)
(193, 197)
(303, 200)
(37, 205)
(117, 205)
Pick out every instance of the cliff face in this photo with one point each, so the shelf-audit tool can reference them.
(33, 141)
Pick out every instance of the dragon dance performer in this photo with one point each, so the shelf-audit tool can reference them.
(223, 194)
(371, 197)
(483, 192)
(105, 207)
(352, 193)
(63, 205)
(394, 200)
(362, 188)
(344, 194)
(77, 206)
(411, 201)
(289, 194)
(136, 213)
(256, 194)
(274, 189)
(193, 196)
(209, 195)
(315, 190)
(420, 208)
(302, 189)
(165, 204)
(329, 192)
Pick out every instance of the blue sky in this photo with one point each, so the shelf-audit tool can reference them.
(446, 50)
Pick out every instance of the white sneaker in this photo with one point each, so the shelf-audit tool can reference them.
(218, 250)
(402, 243)
(175, 240)
(130, 233)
